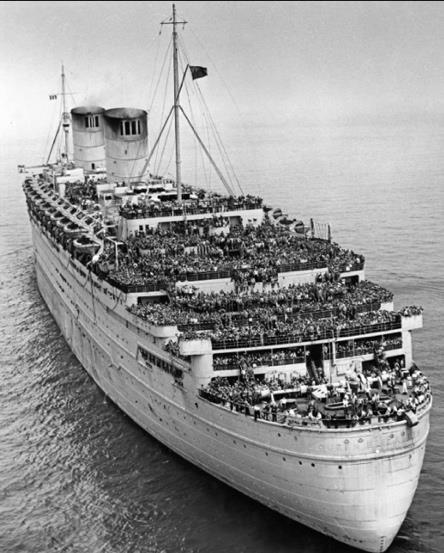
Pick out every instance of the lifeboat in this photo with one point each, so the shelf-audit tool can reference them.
(299, 228)
(72, 229)
(62, 222)
(85, 244)
(284, 220)
(56, 216)
(51, 209)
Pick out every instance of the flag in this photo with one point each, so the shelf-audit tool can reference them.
(198, 72)
(53, 96)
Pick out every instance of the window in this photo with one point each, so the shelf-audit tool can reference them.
(92, 121)
(130, 128)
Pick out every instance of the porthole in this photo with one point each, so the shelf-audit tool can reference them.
(312, 464)
(284, 459)
(339, 466)
(300, 462)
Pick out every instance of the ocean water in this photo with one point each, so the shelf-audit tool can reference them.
(78, 476)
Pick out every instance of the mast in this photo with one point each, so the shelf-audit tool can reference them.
(65, 116)
(176, 106)
(176, 109)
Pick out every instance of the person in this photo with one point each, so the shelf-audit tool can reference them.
(346, 403)
(247, 407)
(404, 380)
(257, 412)
(273, 411)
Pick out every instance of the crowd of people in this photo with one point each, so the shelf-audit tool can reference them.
(273, 357)
(81, 193)
(291, 356)
(411, 310)
(272, 331)
(247, 254)
(192, 203)
(187, 306)
(364, 346)
(382, 393)
(326, 294)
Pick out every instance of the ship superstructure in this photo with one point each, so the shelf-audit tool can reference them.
(241, 338)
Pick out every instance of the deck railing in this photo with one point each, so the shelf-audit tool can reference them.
(260, 363)
(139, 213)
(256, 341)
(193, 276)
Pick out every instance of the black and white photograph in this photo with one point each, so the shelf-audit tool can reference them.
(221, 276)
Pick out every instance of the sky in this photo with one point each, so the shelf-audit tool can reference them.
(268, 62)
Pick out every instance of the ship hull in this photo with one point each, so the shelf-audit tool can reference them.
(353, 485)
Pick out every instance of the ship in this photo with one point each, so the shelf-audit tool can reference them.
(243, 339)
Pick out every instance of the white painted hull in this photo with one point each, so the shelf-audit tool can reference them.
(355, 485)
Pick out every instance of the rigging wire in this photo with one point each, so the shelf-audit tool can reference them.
(152, 96)
(161, 72)
(165, 144)
(50, 128)
(168, 165)
(220, 75)
(156, 162)
(229, 169)
(154, 72)
(205, 170)
(224, 154)
(59, 143)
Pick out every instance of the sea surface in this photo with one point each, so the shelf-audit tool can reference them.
(78, 476)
